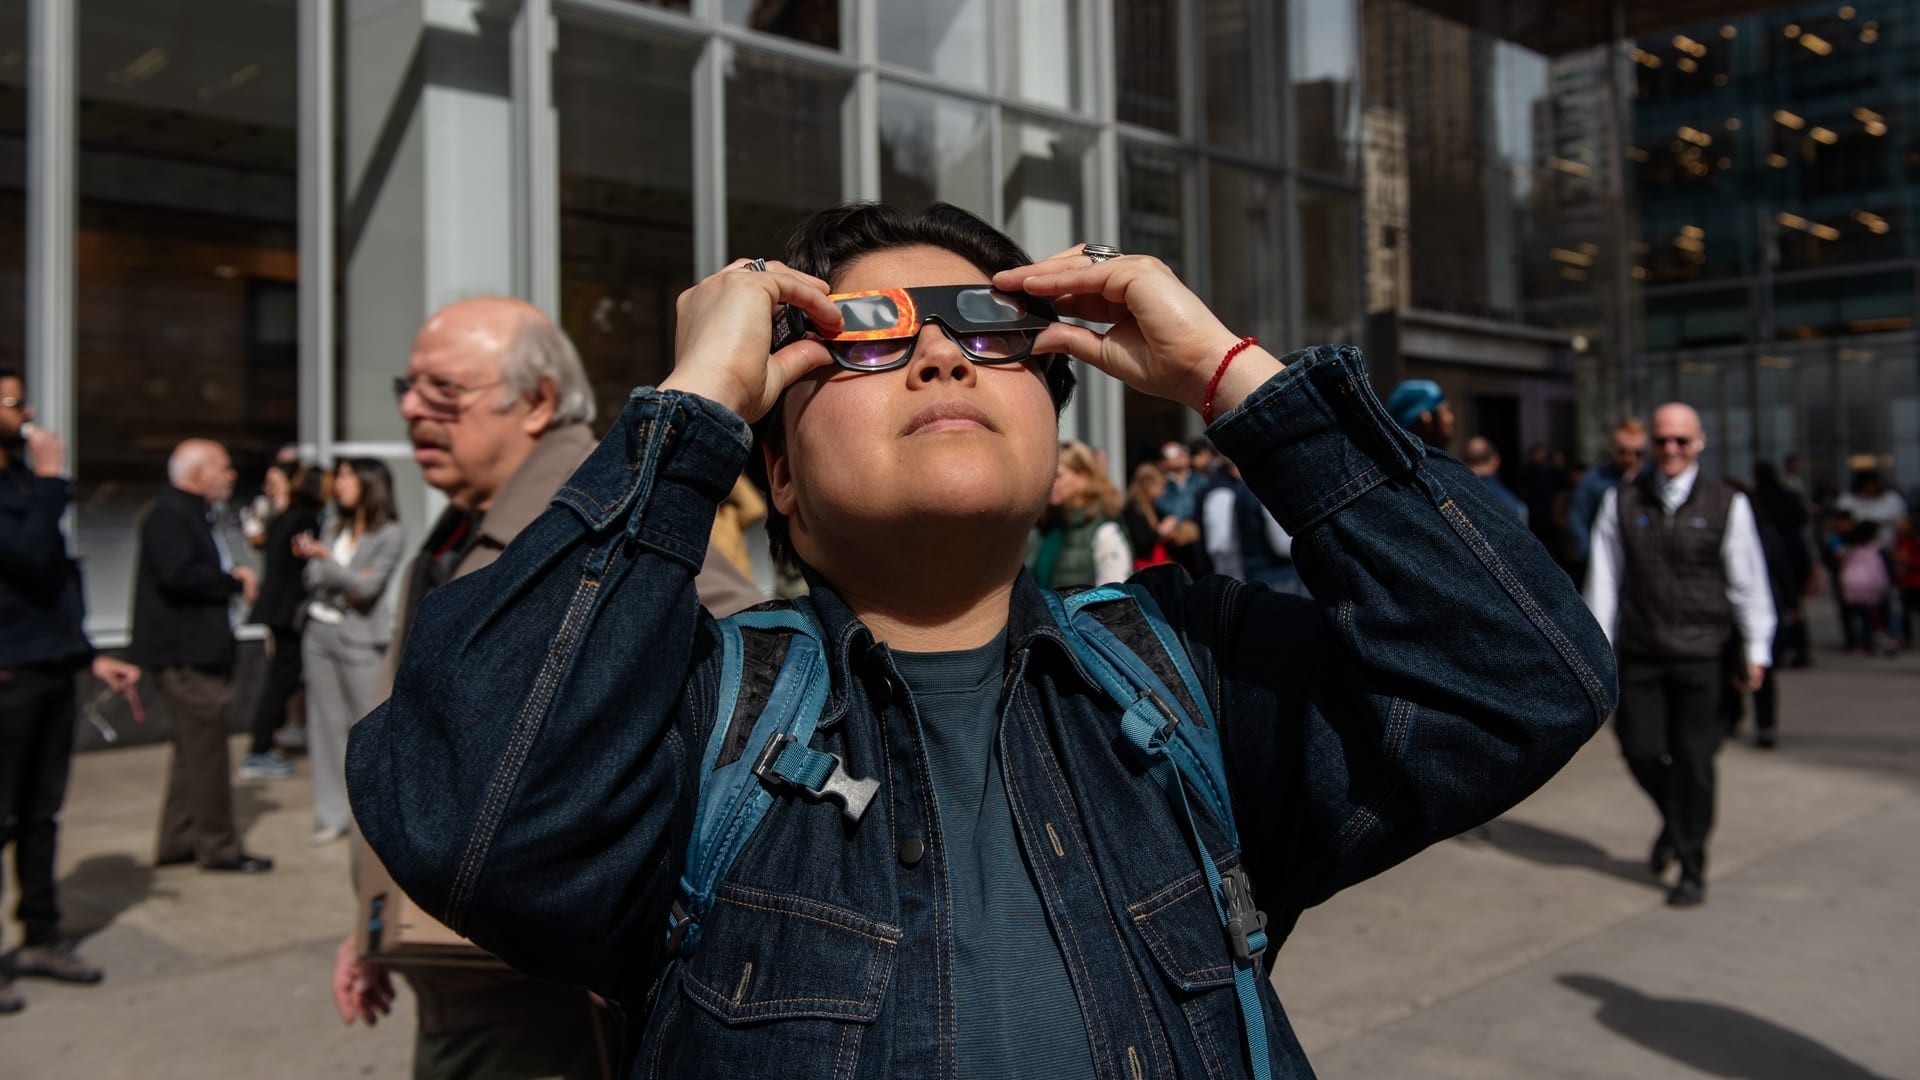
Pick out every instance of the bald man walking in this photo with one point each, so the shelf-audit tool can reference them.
(183, 618)
(1676, 567)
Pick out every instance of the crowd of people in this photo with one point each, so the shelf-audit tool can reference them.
(901, 504)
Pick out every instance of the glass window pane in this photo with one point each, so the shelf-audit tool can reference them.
(1325, 44)
(626, 202)
(1041, 52)
(1243, 236)
(186, 254)
(13, 184)
(1330, 244)
(1145, 63)
(1153, 204)
(816, 22)
(1047, 188)
(933, 149)
(785, 149)
(943, 38)
(1243, 113)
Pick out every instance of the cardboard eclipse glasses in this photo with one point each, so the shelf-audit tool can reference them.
(882, 325)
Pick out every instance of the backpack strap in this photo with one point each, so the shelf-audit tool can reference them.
(773, 688)
(1124, 641)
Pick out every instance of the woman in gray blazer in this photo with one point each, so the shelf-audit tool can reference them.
(349, 623)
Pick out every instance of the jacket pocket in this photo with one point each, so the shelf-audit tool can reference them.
(1183, 932)
(764, 956)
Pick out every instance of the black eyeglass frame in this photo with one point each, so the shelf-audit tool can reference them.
(937, 304)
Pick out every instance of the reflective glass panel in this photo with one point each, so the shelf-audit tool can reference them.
(947, 39)
(1324, 46)
(1243, 235)
(1330, 278)
(1153, 204)
(816, 22)
(1243, 110)
(1145, 63)
(933, 148)
(186, 259)
(626, 202)
(1040, 52)
(1047, 184)
(785, 149)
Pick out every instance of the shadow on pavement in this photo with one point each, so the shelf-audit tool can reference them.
(1718, 1040)
(249, 803)
(1550, 848)
(95, 892)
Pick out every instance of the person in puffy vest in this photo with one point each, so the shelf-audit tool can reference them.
(1014, 891)
(1080, 540)
(1676, 565)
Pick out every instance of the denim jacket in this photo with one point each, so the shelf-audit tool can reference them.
(531, 781)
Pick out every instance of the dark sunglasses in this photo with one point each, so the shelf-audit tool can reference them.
(883, 325)
(1672, 440)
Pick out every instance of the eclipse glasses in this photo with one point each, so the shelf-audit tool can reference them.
(882, 325)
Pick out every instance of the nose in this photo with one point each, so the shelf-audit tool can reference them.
(937, 358)
(411, 407)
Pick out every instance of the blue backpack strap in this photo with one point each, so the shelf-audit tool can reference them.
(736, 793)
(1183, 757)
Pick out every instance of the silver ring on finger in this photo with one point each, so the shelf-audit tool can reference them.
(1099, 253)
(756, 264)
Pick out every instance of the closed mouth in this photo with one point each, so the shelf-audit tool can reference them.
(948, 414)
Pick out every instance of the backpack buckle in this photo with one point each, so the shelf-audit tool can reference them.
(679, 921)
(814, 773)
(1246, 924)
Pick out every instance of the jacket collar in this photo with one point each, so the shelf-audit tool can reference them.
(854, 652)
(529, 491)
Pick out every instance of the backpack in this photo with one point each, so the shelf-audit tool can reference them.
(1119, 635)
(1863, 576)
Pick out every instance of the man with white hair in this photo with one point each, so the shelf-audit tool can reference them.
(183, 619)
(498, 409)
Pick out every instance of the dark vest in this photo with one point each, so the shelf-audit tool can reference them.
(1262, 562)
(1673, 593)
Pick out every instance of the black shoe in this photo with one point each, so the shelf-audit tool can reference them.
(1689, 892)
(242, 864)
(57, 962)
(1662, 856)
(1766, 740)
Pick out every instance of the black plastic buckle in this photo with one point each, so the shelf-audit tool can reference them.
(679, 919)
(1243, 919)
(853, 793)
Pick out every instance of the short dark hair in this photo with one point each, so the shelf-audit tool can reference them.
(828, 242)
(11, 373)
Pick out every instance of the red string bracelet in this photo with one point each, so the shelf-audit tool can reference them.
(1213, 384)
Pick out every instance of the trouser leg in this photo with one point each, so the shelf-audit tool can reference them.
(334, 701)
(1641, 724)
(37, 713)
(198, 816)
(1694, 734)
(1766, 703)
(283, 678)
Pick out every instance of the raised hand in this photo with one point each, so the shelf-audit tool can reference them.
(1163, 341)
(724, 329)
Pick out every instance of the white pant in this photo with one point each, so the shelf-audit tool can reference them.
(340, 683)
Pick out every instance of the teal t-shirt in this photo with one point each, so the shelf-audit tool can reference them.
(1016, 1011)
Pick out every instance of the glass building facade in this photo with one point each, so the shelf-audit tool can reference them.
(1776, 162)
(227, 218)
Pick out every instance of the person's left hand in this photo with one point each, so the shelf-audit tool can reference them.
(119, 675)
(1756, 675)
(1163, 341)
(306, 547)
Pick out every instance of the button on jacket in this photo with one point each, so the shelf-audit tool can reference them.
(532, 778)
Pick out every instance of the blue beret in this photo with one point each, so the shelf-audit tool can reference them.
(1413, 397)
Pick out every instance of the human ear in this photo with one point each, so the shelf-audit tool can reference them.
(780, 488)
(540, 411)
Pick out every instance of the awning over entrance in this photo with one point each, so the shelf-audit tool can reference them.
(1570, 25)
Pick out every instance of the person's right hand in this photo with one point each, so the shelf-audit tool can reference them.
(724, 327)
(362, 989)
(306, 547)
(48, 452)
(1166, 525)
(249, 584)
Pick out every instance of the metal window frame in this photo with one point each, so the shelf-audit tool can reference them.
(52, 194)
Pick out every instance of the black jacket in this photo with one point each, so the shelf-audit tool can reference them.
(180, 594)
(281, 589)
(41, 605)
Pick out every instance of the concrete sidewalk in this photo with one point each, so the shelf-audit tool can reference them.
(1535, 947)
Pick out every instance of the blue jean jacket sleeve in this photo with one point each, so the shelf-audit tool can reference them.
(469, 766)
(1444, 669)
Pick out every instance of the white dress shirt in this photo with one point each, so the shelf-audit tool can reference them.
(1747, 590)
